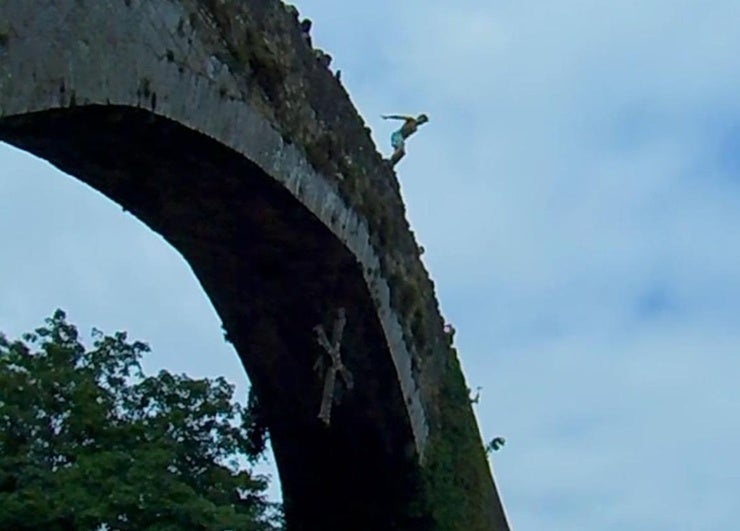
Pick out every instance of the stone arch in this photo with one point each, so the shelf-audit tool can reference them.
(170, 132)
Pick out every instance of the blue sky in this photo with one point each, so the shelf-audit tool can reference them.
(578, 195)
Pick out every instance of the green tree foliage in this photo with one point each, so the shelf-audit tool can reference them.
(87, 441)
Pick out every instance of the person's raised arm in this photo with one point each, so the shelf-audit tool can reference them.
(395, 117)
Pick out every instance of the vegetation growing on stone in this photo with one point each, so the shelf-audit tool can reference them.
(458, 487)
(87, 441)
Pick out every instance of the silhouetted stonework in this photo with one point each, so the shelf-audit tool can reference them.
(214, 123)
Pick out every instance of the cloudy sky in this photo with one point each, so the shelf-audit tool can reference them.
(578, 194)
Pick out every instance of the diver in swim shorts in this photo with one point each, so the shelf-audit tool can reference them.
(398, 138)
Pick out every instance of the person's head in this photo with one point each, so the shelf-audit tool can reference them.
(421, 119)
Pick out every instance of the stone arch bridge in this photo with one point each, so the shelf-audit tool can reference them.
(212, 122)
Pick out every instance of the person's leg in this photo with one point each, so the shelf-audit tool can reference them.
(397, 155)
(397, 144)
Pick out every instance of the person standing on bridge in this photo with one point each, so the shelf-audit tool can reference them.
(398, 138)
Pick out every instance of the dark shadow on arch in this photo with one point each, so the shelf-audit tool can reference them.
(273, 271)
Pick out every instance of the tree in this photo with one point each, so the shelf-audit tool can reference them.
(87, 441)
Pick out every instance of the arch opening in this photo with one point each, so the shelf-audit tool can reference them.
(273, 272)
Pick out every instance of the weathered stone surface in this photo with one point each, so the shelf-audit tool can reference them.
(213, 123)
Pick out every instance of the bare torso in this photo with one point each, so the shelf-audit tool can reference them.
(408, 128)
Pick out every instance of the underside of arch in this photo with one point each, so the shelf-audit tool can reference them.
(273, 271)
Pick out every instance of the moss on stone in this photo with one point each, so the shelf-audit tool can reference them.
(458, 487)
